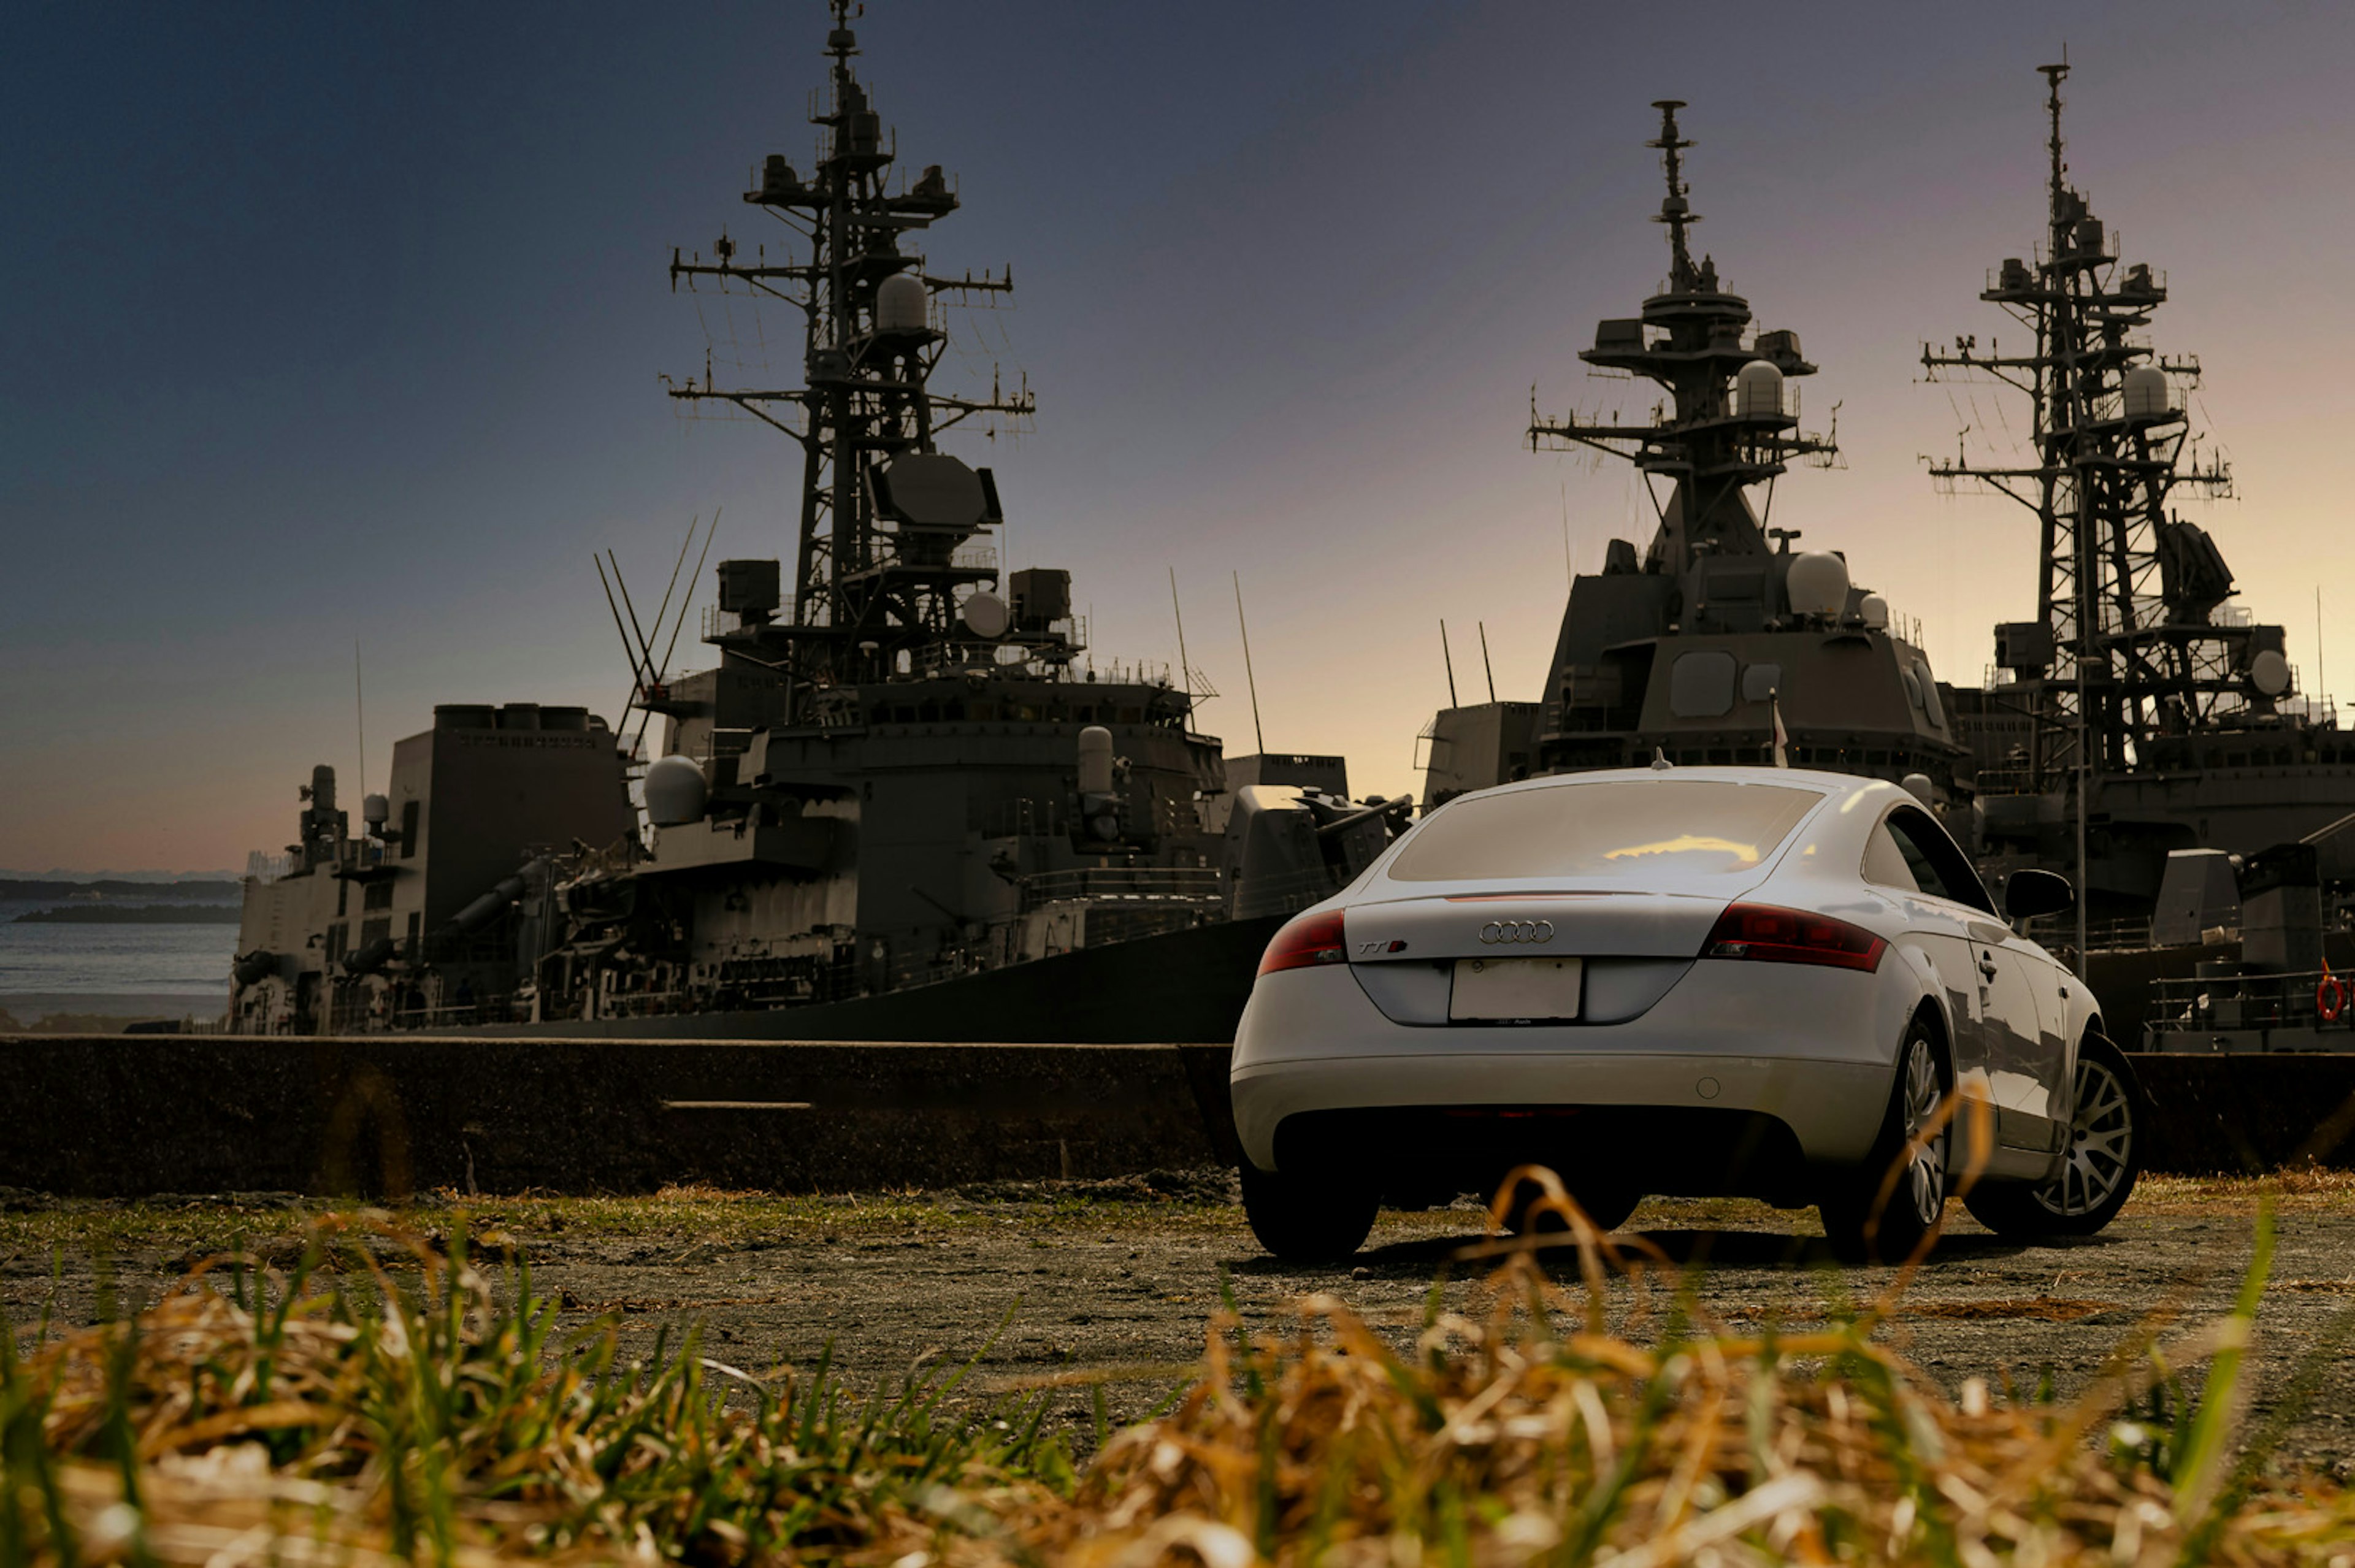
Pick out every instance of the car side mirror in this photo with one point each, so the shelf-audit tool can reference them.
(2027, 894)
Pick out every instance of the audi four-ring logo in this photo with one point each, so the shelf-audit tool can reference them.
(1497, 931)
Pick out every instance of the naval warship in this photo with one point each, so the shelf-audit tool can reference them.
(1717, 642)
(2142, 712)
(906, 802)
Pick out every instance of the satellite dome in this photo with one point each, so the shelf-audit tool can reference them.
(1817, 585)
(2269, 673)
(676, 791)
(2145, 393)
(1919, 787)
(375, 809)
(985, 614)
(1758, 392)
(1874, 609)
(901, 303)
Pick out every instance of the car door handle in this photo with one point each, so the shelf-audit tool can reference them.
(1986, 968)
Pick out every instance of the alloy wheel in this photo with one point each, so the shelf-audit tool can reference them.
(2100, 1144)
(1926, 1173)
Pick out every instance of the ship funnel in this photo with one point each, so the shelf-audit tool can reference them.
(1758, 392)
(1095, 761)
(676, 791)
(1818, 585)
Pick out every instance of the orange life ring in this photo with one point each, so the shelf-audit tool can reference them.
(2330, 999)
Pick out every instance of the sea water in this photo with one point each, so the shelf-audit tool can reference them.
(55, 963)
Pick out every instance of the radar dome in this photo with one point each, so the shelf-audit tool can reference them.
(2269, 673)
(375, 809)
(1818, 585)
(676, 791)
(1875, 611)
(1918, 785)
(1758, 392)
(901, 303)
(985, 614)
(2146, 392)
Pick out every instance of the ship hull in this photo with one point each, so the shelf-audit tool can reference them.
(1183, 987)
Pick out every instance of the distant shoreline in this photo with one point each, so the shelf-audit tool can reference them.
(132, 914)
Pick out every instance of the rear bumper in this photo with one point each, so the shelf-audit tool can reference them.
(1810, 1050)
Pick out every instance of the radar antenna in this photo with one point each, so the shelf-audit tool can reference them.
(878, 568)
(2126, 647)
(1725, 426)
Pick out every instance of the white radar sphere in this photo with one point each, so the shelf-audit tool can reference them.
(1874, 609)
(676, 791)
(900, 304)
(1758, 392)
(1817, 583)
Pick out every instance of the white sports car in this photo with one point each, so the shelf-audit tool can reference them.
(1721, 981)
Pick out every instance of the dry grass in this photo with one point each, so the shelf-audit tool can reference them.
(380, 1415)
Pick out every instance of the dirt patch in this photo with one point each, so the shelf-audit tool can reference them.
(1118, 1280)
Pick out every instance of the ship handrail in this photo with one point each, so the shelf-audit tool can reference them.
(2203, 1004)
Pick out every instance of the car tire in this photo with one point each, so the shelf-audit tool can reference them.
(1607, 1205)
(1919, 1197)
(2107, 1115)
(1308, 1219)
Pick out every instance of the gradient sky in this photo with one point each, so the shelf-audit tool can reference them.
(333, 322)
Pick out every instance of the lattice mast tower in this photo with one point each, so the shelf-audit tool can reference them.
(1711, 442)
(882, 544)
(2125, 647)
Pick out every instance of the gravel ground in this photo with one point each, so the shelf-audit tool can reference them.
(1048, 1277)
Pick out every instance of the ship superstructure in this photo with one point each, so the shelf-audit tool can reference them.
(907, 776)
(1717, 642)
(2139, 692)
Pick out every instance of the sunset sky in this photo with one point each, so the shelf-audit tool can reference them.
(328, 323)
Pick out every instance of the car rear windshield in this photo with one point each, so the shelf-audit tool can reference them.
(1622, 828)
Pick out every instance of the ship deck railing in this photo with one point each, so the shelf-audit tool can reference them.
(2222, 1003)
(1163, 885)
(2130, 934)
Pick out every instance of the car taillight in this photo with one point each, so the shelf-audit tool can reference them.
(1774, 935)
(1309, 940)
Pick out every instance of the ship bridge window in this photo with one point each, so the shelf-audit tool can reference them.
(1760, 682)
(1700, 685)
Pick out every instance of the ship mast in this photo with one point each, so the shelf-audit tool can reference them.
(1710, 442)
(875, 573)
(2126, 648)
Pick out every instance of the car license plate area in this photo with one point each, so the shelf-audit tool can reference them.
(1515, 990)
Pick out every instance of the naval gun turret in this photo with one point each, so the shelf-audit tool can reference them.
(1717, 642)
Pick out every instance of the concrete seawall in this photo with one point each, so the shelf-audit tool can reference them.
(113, 1116)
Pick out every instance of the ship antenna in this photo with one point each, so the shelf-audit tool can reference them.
(1184, 669)
(1484, 665)
(2054, 76)
(1448, 654)
(359, 699)
(1252, 680)
(1675, 211)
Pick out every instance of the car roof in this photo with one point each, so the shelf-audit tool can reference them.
(1805, 778)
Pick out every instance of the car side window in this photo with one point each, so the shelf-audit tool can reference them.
(1885, 865)
(1939, 869)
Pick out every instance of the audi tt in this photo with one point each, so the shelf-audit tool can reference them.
(1719, 981)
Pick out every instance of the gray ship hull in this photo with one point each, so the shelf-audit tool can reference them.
(1185, 987)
